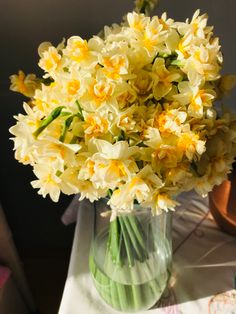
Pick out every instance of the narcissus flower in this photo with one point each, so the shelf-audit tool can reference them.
(129, 114)
(24, 84)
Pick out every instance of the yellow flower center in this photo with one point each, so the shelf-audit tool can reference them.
(90, 164)
(168, 156)
(79, 50)
(163, 23)
(51, 61)
(135, 181)
(149, 42)
(125, 98)
(21, 83)
(49, 180)
(161, 122)
(186, 141)
(143, 83)
(101, 91)
(95, 127)
(113, 66)
(117, 168)
(201, 98)
(73, 87)
(115, 63)
(183, 49)
(138, 24)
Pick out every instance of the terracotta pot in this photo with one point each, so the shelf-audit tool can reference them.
(222, 204)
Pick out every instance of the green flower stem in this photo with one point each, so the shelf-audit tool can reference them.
(138, 250)
(127, 260)
(102, 281)
(146, 6)
(114, 245)
(136, 292)
(127, 243)
(45, 122)
(136, 229)
(150, 240)
(66, 125)
(114, 295)
(122, 296)
(99, 282)
(105, 285)
(153, 283)
(80, 111)
(131, 240)
(145, 288)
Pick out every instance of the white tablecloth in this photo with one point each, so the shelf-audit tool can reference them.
(204, 275)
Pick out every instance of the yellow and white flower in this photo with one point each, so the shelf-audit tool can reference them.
(163, 79)
(110, 165)
(100, 94)
(50, 60)
(24, 141)
(79, 51)
(95, 125)
(130, 113)
(48, 180)
(195, 97)
(191, 145)
(137, 22)
(160, 202)
(171, 121)
(154, 37)
(114, 65)
(24, 84)
(197, 26)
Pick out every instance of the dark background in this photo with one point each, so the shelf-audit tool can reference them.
(35, 221)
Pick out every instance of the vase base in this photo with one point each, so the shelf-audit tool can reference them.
(128, 297)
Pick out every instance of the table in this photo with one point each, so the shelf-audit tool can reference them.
(204, 265)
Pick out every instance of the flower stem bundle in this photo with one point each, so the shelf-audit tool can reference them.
(127, 276)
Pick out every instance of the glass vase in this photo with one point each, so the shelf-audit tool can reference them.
(130, 258)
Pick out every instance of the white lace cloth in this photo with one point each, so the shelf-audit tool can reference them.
(204, 275)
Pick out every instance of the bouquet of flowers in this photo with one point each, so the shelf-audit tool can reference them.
(128, 114)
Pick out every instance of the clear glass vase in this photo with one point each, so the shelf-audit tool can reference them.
(130, 258)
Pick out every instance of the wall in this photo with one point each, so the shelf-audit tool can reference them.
(24, 25)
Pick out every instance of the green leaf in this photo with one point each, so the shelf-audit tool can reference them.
(109, 193)
(74, 139)
(121, 137)
(66, 125)
(66, 69)
(46, 121)
(176, 62)
(58, 173)
(80, 111)
(65, 113)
